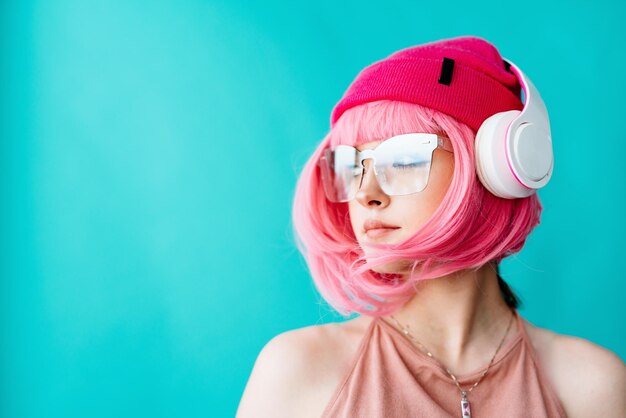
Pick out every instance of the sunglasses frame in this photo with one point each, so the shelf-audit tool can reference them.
(431, 141)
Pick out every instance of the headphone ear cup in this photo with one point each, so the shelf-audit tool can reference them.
(492, 167)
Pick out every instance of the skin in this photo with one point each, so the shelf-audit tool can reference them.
(457, 317)
(460, 318)
(407, 212)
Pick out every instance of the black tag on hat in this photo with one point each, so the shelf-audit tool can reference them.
(446, 71)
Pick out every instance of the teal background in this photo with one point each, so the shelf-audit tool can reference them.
(149, 151)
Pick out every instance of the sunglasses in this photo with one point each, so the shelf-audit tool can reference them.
(401, 165)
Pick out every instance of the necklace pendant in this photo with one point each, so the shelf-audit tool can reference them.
(465, 407)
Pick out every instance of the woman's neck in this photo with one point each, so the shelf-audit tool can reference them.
(460, 318)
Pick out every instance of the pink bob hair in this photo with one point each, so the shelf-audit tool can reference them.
(470, 228)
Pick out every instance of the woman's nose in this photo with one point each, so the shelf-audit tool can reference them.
(370, 194)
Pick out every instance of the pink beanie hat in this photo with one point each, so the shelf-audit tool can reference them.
(463, 77)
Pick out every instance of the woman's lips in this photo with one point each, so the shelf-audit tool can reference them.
(377, 232)
(374, 228)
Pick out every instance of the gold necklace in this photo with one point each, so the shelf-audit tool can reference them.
(465, 404)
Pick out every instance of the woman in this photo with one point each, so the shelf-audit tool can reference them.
(403, 214)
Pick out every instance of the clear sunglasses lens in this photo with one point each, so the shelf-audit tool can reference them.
(341, 173)
(403, 166)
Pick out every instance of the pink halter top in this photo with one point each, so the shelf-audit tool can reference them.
(391, 378)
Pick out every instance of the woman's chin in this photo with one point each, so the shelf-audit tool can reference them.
(396, 267)
(400, 267)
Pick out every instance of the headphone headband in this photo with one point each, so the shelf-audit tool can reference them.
(534, 107)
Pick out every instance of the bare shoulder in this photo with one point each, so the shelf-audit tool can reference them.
(297, 371)
(590, 380)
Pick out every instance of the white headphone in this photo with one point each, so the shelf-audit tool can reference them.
(514, 148)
